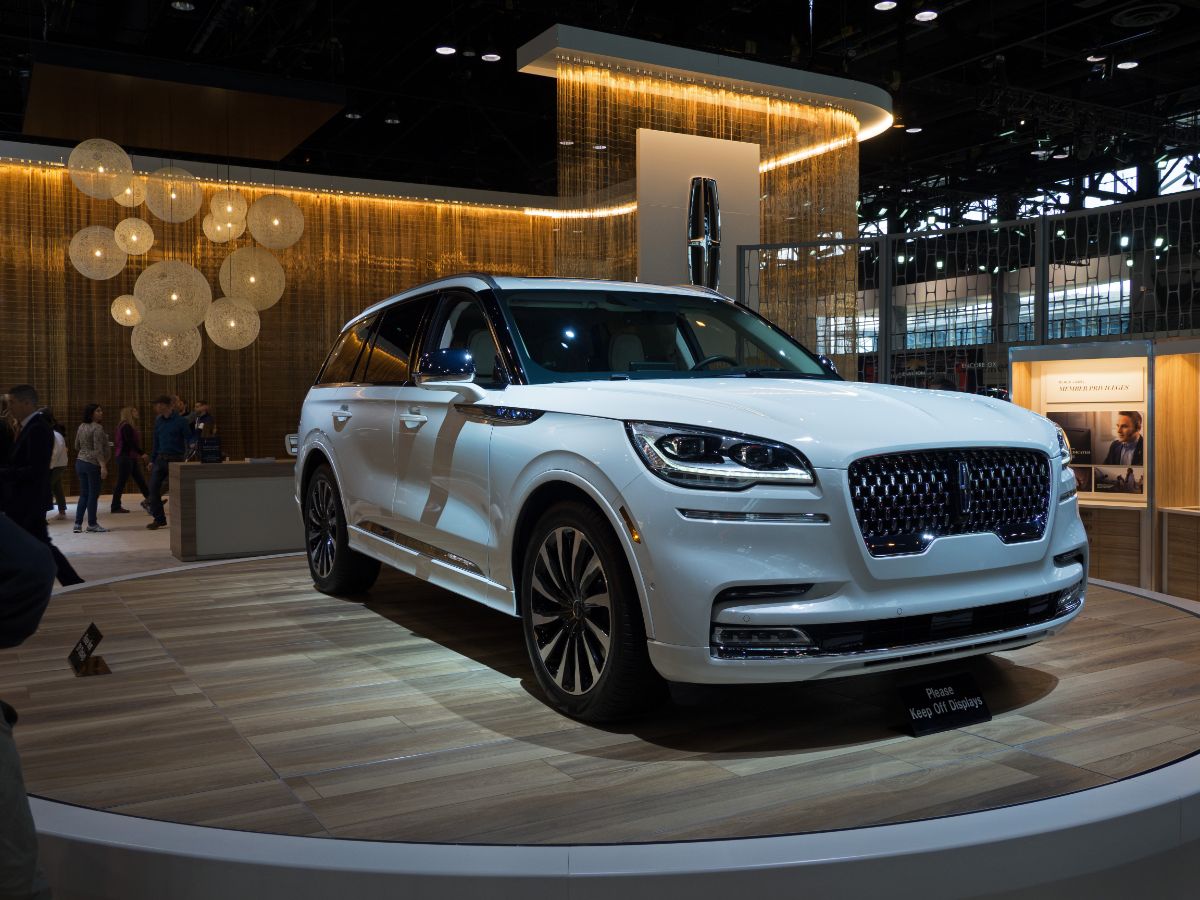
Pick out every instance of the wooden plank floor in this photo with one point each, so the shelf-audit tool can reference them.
(242, 698)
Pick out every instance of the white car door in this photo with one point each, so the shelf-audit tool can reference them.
(442, 480)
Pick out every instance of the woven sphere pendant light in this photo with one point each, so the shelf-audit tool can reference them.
(164, 353)
(127, 310)
(95, 253)
(129, 190)
(228, 206)
(232, 323)
(96, 165)
(221, 230)
(134, 236)
(174, 296)
(275, 221)
(173, 194)
(253, 274)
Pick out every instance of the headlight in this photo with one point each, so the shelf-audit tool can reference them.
(717, 460)
(1064, 446)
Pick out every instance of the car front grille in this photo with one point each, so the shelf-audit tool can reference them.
(905, 501)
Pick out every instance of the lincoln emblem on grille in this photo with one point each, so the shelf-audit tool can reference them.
(964, 487)
(704, 233)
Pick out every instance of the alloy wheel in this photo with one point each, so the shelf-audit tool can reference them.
(321, 527)
(570, 610)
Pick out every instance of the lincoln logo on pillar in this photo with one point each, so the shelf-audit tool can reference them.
(704, 233)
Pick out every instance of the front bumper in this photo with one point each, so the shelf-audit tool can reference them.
(807, 543)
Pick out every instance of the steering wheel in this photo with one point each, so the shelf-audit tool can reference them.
(708, 360)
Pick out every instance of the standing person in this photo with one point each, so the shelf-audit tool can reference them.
(91, 465)
(25, 476)
(130, 457)
(58, 466)
(171, 434)
(203, 423)
(26, 579)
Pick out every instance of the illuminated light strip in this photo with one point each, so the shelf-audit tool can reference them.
(806, 153)
(602, 213)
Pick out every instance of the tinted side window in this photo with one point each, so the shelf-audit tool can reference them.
(463, 325)
(339, 368)
(389, 359)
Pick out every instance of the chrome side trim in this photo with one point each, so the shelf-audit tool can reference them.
(712, 515)
(419, 547)
(498, 415)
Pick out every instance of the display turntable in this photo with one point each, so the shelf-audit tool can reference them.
(241, 698)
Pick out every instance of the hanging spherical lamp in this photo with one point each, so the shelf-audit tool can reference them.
(253, 274)
(134, 236)
(173, 194)
(127, 310)
(221, 230)
(228, 206)
(165, 353)
(96, 164)
(232, 323)
(275, 221)
(95, 253)
(129, 190)
(174, 295)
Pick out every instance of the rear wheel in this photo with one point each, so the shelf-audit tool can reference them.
(335, 567)
(582, 621)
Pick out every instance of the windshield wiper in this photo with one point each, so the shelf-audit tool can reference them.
(775, 373)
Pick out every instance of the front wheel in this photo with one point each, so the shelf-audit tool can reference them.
(334, 566)
(581, 618)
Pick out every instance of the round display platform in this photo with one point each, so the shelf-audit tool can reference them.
(240, 697)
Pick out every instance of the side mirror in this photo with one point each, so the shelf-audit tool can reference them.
(827, 364)
(448, 369)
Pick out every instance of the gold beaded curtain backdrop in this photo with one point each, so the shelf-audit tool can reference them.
(808, 175)
(59, 329)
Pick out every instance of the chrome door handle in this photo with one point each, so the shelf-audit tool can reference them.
(342, 418)
(413, 420)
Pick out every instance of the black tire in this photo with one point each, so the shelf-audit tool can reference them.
(334, 566)
(581, 618)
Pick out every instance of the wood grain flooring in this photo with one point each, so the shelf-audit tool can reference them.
(242, 698)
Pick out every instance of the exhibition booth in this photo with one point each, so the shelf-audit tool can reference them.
(255, 737)
(1131, 410)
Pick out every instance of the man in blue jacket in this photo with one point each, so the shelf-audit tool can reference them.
(171, 434)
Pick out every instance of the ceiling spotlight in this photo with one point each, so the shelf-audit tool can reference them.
(353, 115)
(885, 5)
(445, 50)
(1128, 64)
(1096, 57)
(599, 146)
(566, 143)
(1061, 153)
(183, 5)
(491, 56)
(926, 12)
(468, 53)
(913, 129)
(391, 119)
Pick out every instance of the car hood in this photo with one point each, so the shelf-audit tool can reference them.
(831, 422)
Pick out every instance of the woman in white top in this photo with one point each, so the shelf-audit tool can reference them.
(58, 466)
(90, 465)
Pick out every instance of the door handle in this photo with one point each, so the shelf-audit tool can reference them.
(413, 419)
(341, 418)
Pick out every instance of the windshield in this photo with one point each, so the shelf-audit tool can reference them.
(572, 335)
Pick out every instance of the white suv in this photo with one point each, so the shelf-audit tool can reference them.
(663, 485)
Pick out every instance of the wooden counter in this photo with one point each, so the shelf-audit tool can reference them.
(233, 509)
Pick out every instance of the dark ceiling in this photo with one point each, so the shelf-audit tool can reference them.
(988, 82)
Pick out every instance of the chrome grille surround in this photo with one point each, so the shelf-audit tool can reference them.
(905, 501)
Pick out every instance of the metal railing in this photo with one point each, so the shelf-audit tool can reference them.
(944, 305)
